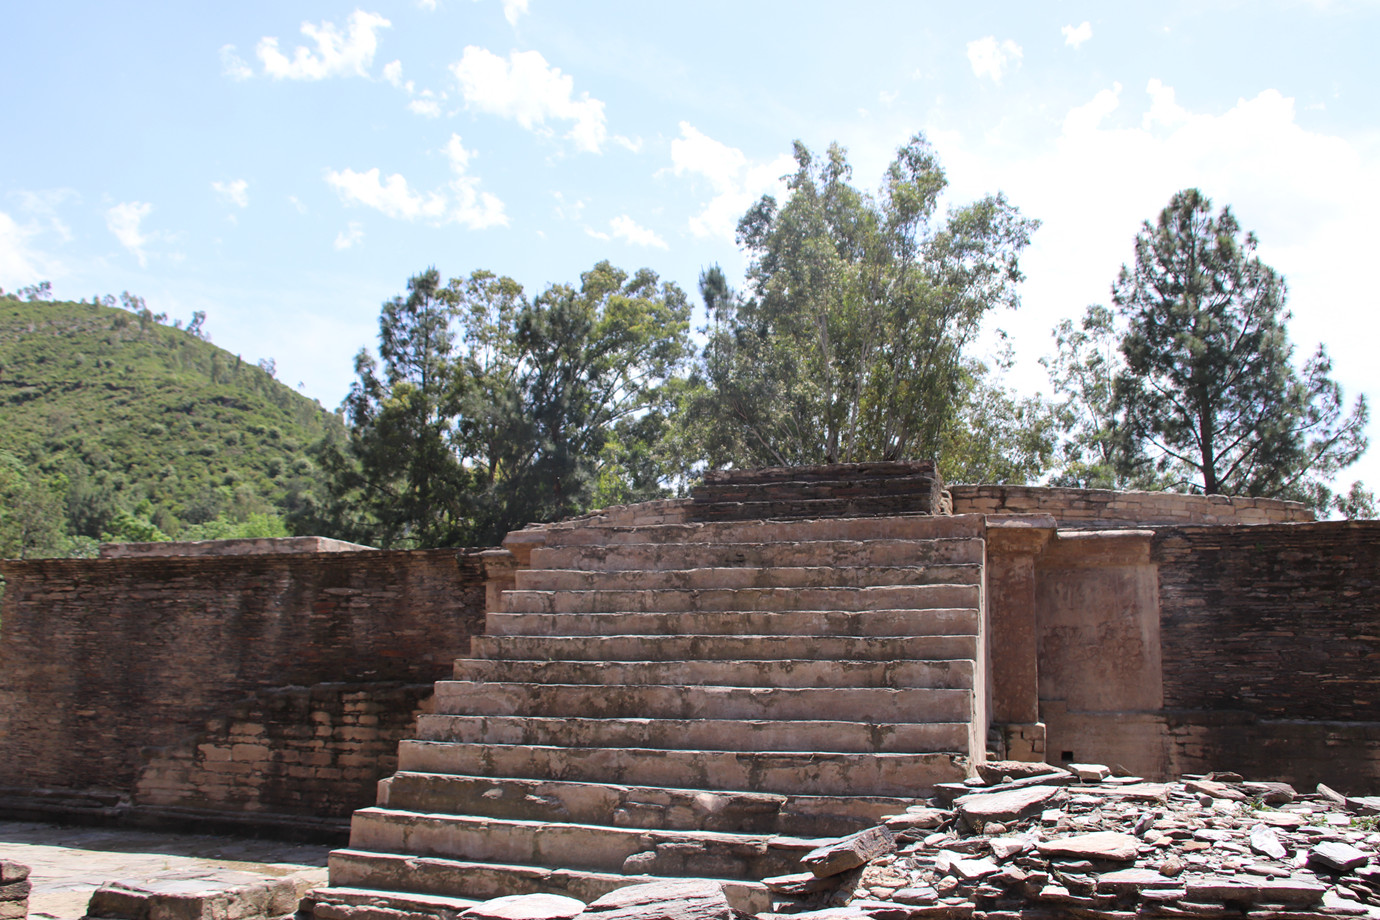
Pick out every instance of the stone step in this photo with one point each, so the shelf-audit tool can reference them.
(895, 675)
(858, 777)
(937, 621)
(675, 600)
(913, 527)
(596, 847)
(715, 648)
(401, 873)
(505, 698)
(751, 508)
(372, 904)
(909, 485)
(801, 735)
(664, 807)
(738, 578)
(841, 553)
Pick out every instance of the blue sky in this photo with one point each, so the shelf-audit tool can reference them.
(286, 166)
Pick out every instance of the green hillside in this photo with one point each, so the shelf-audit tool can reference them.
(129, 424)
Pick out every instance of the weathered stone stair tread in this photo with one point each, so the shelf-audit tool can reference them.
(781, 673)
(595, 847)
(464, 697)
(908, 484)
(671, 600)
(433, 904)
(748, 509)
(628, 806)
(935, 621)
(837, 528)
(724, 647)
(841, 553)
(485, 880)
(800, 773)
(748, 577)
(736, 735)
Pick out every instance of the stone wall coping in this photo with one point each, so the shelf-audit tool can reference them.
(242, 547)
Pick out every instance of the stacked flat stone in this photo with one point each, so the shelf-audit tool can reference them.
(14, 890)
(1082, 843)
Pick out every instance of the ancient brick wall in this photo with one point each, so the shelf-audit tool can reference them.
(314, 751)
(1102, 508)
(102, 660)
(1280, 622)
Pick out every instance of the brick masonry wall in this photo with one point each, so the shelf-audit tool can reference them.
(102, 659)
(317, 751)
(1281, 622)
(1102, 508)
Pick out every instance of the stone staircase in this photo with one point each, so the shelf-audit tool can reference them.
(663, 697)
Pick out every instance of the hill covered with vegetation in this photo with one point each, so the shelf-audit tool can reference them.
(114, 425)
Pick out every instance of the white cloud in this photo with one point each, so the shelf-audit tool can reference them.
(20, 264)
(235, 192)
(631, 232)
(1308, 195)
(352, 234)
(990, 59)
(124, 221)
(232, 65)
(336, 54)
(426, 105)
(736, 181)
(512, 9)
(1077, 35)
(297, 203)
(428, 5)
(461, 201)
(392, 72)
(527, 90)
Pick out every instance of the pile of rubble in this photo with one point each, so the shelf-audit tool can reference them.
(1031, 841)
(14, 890)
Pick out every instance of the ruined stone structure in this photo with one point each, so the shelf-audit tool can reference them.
(693, 687)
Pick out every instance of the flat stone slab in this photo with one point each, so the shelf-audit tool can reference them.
(538, 906)
(994, 771)
(691, 899)
(1099, 845)
(849, 852)
(1010, 805)
(191, 895)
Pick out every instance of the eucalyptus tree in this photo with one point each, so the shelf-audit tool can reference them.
(849, 341)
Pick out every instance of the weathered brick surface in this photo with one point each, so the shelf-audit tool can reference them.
(833, 490)
(317, 751)
(1281, 622)
(1102, 508)
(102, 658)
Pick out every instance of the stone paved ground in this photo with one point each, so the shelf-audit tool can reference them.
(68, 863)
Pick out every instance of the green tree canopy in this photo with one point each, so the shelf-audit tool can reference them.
(849, 344)
(1207, 392)
(491, 411)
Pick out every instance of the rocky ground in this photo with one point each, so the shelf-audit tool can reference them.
(1033, 841)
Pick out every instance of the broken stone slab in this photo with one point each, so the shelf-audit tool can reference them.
(1266, 842)
(1097, 845)
(1331, 795)
(980, 808)
(11, 871)
(536, 906)
(1132, 881)
(1006, 847)
(1288, 819)
(892, 910)
(1139, 792)
(191, 895)
(925, 820)
(994, 771)
(970, 870)
(1364, 804)
(798, 883)
(1272, 794)
(1090, 772)
(916, 894)
(681, 899)
(1215, 789)
(849, 852)
(1337, 856)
